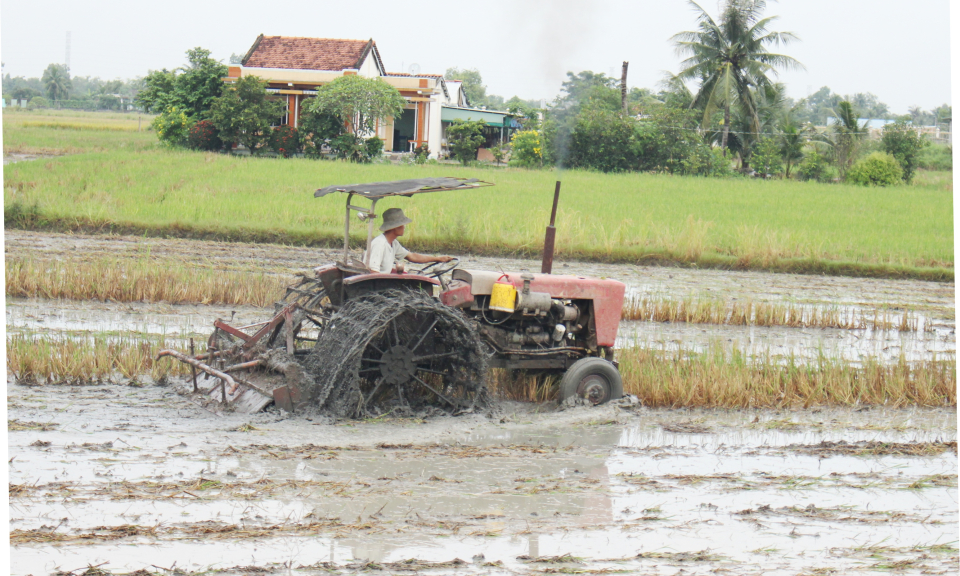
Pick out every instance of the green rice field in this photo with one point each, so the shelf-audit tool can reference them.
(114, 178)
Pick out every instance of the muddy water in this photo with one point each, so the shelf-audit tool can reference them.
(33, 315)
(799, 344)
(147, 479)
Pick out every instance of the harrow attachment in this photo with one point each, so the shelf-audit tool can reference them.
(254, 365)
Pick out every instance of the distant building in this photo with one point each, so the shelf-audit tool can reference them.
(295, 67)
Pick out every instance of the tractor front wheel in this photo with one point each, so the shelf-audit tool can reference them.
(594, 379)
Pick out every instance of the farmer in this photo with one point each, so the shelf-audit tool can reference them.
(385, 248)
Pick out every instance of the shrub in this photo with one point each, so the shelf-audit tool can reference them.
(877, 169)
(526, 149)
(464, 138)
(244, 112)
(605, 141)
(499, 152)
(172, 127)
(38, 102)
(354, 148)
(904, 144)
(284, 140)
(421, 154)
(704, 160)
(814, 167)
(372, 148)
(317, 129)
(204, 136)
(936, 157)
(766, 158)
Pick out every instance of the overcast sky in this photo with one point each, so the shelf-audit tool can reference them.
(898, 50)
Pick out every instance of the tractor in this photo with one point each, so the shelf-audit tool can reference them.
(352, 343)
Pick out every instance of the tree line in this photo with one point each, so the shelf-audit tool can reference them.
(724, 113)
(57, 87)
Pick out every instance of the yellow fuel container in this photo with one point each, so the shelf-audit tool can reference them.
(503, 297)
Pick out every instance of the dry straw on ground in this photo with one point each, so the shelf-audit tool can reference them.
(65, 360)
(714, 379)
(719, 379)
(145, 280)
(748, 313)
(136, 280)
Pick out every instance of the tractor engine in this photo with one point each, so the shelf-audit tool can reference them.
(539, 321)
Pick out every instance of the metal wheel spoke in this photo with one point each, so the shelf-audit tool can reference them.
(373, 392)
(419, 369)
(373, 360)
(420, 359)
(396, 334)
(432, 389)
(424, 335)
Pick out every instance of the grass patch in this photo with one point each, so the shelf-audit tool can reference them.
(74, 132)
(126, 184)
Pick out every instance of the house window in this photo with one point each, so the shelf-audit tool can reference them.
(282, 120)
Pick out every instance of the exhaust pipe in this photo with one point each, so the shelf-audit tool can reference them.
(546, 267)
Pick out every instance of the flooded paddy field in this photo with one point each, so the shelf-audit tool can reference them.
(140, 478)
(930, 303)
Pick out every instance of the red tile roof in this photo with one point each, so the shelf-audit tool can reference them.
(414, 75)
(309, 53)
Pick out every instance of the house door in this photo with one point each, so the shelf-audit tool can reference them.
(404, 130)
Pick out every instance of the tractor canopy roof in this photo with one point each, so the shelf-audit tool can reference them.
(404, 187)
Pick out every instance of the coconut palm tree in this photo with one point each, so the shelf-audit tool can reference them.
(848, 132)
(793, 138)
(730, 57)
(746, 130)
(56, 81)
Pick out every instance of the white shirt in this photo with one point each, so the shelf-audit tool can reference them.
(383, 255)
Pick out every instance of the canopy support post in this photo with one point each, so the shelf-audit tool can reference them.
(346, 231)
(371, 219)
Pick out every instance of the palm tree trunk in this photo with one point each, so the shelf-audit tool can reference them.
(726, 128)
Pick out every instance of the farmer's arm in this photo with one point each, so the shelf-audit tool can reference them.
(424, 259)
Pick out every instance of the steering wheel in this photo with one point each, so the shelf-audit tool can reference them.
(441, 268)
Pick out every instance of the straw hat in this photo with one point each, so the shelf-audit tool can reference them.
(393, 218)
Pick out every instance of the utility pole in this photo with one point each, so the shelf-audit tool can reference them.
(66, 59)
(623, 88)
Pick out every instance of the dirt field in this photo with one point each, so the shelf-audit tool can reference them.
(139, 478)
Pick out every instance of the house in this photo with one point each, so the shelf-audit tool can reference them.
(295, 67)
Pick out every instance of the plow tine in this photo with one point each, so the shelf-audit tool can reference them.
(200, 365)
